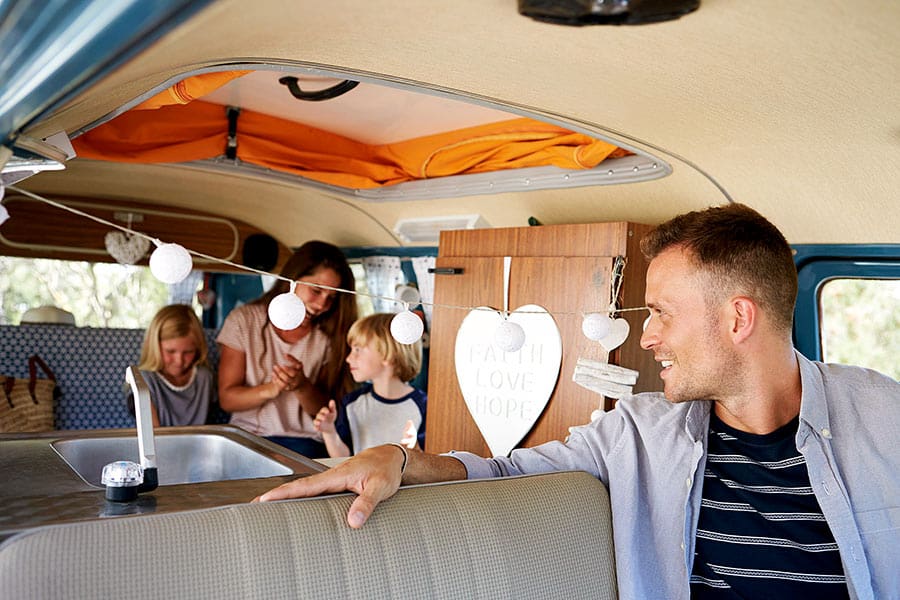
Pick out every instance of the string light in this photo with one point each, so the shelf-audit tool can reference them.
(174, 263)
(287, 311)
(4, 214)
(170, 263)
(407, 294)
(406, 327)
(509, 336)
(596, 326)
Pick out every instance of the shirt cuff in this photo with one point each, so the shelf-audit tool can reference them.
(476, 466)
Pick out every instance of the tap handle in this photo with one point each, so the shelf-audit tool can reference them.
(143, 416)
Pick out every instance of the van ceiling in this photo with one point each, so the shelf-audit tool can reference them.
(790, 108)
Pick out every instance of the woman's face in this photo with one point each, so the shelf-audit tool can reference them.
(318, 300)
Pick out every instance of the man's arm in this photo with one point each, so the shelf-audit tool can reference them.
(374, 474)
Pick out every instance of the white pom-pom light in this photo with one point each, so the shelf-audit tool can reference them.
(595, 326)
(408, 295)
(170, 263)
(509, 336)
(287, 311)
(407, 327)
(4, 214)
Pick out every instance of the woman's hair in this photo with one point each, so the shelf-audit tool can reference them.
(740, 250)
(173, 321)
(334, 379)
(405, 358)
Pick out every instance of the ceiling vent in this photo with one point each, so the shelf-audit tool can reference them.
(427, 229)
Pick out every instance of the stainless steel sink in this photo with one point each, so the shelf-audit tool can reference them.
(224, 453)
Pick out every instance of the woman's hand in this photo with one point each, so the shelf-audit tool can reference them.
(290, 377)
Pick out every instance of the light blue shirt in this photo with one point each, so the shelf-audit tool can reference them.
(651, 454)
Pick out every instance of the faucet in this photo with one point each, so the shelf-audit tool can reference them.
(123, 479)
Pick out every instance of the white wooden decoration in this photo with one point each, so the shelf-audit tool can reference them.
(506, 392)
(618, 333)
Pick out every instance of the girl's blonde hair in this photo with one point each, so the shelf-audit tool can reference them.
(174, 321)
(405, 358)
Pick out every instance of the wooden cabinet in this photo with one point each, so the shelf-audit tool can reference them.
(563, 268)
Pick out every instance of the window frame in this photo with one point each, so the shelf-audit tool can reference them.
(818, 264)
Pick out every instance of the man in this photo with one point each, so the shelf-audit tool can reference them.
(757, 474)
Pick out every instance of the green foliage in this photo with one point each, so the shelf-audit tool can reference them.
(98, 294)
(861, 323)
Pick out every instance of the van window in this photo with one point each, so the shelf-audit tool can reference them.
(97, 294)
(861, 323)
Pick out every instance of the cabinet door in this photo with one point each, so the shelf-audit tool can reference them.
(567, 287)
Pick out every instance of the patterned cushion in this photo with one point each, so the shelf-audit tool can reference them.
(89, 364)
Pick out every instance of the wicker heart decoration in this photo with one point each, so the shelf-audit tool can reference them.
(126, 249)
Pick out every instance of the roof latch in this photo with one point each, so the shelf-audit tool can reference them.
(232, 112)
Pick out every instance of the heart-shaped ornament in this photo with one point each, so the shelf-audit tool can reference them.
(506, 392)
(126, 249)
(618, 333)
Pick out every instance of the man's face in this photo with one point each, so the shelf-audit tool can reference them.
(686, 335)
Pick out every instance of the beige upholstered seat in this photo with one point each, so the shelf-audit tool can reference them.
(542, 536)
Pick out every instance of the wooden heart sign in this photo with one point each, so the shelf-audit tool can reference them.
(506, 392)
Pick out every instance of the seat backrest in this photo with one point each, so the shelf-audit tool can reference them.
(540, 536)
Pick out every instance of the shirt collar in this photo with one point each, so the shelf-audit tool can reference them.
(813, 408)
(696, 418)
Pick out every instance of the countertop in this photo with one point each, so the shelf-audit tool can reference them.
(38, 488)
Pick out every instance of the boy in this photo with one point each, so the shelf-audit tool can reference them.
(386, 409)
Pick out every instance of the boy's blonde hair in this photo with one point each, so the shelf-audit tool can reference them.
(405, 358)
(174, 321)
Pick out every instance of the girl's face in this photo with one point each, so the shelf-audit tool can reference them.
(318, 300)
(178, 355)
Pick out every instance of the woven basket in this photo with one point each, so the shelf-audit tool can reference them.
(27, 404)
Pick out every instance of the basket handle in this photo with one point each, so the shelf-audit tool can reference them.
(35, 361)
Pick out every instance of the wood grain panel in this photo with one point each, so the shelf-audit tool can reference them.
(582, 239)
(40, 230)
(568, 279)
(631, 355)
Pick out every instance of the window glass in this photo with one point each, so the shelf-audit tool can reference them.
(97, 294)
(861, 323)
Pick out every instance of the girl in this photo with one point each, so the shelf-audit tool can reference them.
(173, 362)
(274, 381)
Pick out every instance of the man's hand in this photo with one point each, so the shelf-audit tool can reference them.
(374, 474)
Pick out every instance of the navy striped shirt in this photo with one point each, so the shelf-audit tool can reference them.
(761, 533)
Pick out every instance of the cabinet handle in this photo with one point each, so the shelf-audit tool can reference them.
(446, 270)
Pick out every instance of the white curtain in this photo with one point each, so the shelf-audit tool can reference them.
(425, 281)
(383, 275)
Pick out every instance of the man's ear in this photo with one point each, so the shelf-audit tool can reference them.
(744, 318)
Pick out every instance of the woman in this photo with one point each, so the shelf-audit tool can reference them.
(274, 381)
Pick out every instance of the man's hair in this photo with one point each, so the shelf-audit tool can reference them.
(740, 250)
(405, 358)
